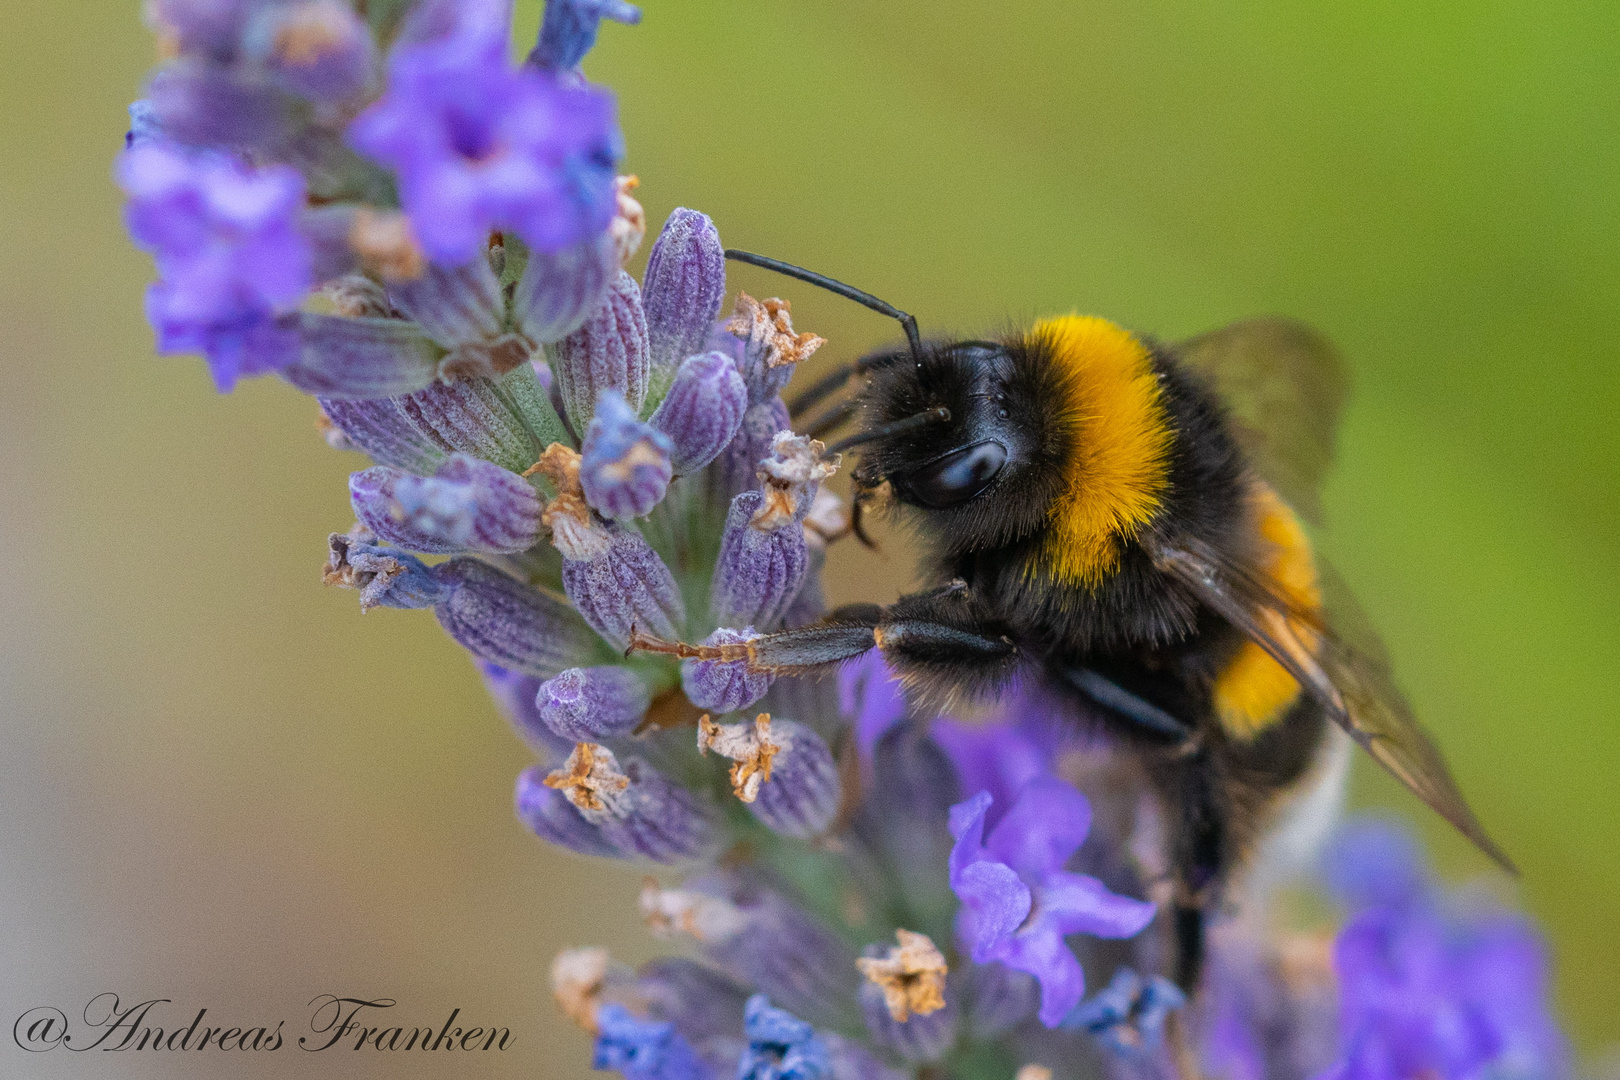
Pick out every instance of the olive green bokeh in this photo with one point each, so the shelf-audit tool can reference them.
(223, 786)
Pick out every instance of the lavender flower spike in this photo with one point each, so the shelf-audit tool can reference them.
(784, 772)
(468, 505)
(504, 621)
(568, 30)
(781, 1046)
(625, 466)
(616, 581)
(763, 556)
(683, 288)
(229, 254)
(702, 412)
(638, 811)
(724, 686)
(477, 146)
(609, 352)
(1018, 903)
(550, 816)
(587, 704)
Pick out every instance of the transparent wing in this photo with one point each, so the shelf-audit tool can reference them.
(1284, 386)
(1354, 686)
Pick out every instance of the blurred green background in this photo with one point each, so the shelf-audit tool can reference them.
(221, 785)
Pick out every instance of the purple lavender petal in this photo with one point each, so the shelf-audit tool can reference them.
(453, 305)
(995, 903)
(560, 290)
(591, 704)
(643, 1049)
(759, 571)
(341, 357)
(609, 352)
(870, 693)
(478, 146)
(551, 817)
(683, 288)
(702, 412)
(468, 505)
(381, 429)
(625, 585)
(506, 622)
(996, 758)
(624, 467)
(568, 30)
(724, 686)
(801, 797)
(781, 1046)
(1079, 904)
(1042, 829)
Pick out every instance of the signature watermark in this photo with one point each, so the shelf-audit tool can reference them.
(331, 1023)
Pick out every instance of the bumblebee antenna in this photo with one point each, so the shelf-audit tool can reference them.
(848, 292)
(939, 414)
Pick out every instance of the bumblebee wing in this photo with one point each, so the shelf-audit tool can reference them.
(1283, 385)
(1356, 688)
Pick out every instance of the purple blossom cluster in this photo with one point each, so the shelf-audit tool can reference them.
(375, 203)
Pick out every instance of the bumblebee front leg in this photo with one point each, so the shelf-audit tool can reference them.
(930, 638)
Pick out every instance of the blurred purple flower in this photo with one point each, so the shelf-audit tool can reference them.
(226, 241)
(478, 145)
(568, 30)
(643, 1049)
(1018, 902)
(781, 1046)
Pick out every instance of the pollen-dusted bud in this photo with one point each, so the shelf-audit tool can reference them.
(903, 998)
(702, 412)
(551, 817)
(724, 686)
(587, 704)
(771, 349)
(783, 771)
(683, 288)
(638, 811)
(559, 290)
(609, 352)
(506, 622)
(385, 577)
(453, 305)
(468, 505)
(341, 357)
(761, 567)
(625, 464)
(382, 430)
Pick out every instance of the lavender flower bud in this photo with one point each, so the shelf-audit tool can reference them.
(683, 288)
(763, 555)
(702, 1003)
(625, 464)
(384, 576)
(608, 353)
(551, 817)
(737, 468)
(453, 305)
(588, 704)
(206, 104)
(724, 686)
(764, 939)
(702, 412)
(784, 772)
(619, 584)
(489, 420)
(567, 32)
(381, 428)
(638, 811)
(771, 348)
(560, 290)
(468, 505)
(506, 622)
(903, 999)
(319, 49)
(359, 358)
(513, 693)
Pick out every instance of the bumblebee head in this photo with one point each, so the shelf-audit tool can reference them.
(981, 463)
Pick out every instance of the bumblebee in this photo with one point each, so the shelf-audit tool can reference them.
(1123, 517)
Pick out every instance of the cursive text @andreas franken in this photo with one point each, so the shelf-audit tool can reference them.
(334, 1023)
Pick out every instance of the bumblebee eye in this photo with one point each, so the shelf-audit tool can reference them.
(958, 476)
